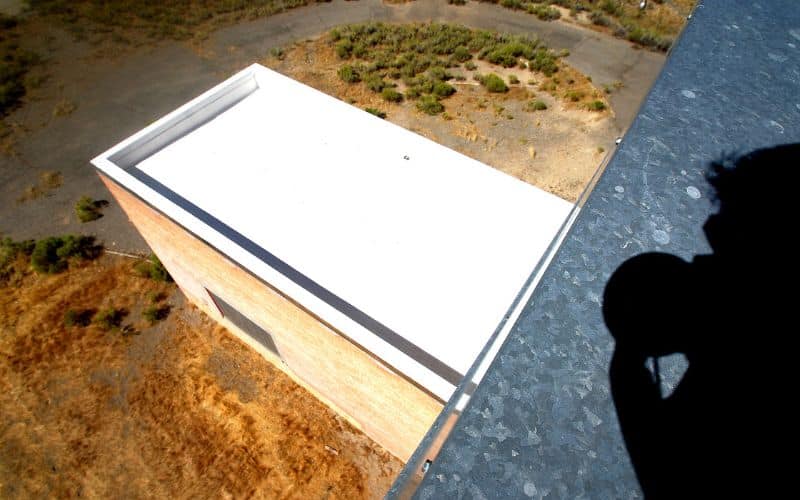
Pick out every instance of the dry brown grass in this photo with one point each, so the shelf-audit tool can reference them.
(64, 107)
(180, 409)
(48, 182)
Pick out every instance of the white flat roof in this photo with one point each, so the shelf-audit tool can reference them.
(412, 250)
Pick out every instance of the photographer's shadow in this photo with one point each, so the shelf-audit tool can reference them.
(728, 423)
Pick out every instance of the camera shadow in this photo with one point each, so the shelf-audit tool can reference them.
(728, 427)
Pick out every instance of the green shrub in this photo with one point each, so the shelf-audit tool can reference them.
(512, 79)
(543, 12)
(391, 95)
(344, 49)
(152, 268)
(422, 84)
(376, 112)
(443, 89)
(51, 255)
(438, 73)
(349, 74)
(648, 38)
(74, 317)
(535, 105)
(511, 4)
(574, 95)
(494, 83)
(598, 19)
(110, 318)
(508, 54)
(457, 2)
(413, 93)
(154, 314)
(544, 61)
(420, 54)
(277, 53)
(87, 209)
(10, 249)
(375, 83)
(359, 50)
(11, 252)
(596, 106)
(461, 54)
(612, 7)
(428, 104)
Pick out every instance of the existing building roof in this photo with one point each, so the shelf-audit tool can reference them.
(412, 250)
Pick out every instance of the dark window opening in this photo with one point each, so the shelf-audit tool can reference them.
(245, 324)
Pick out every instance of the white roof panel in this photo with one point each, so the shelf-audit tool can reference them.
(404, 245)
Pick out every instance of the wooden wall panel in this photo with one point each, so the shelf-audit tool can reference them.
(388, 408)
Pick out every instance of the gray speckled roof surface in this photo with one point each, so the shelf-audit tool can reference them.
(542, 423)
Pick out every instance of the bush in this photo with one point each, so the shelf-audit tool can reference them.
(599, 19)
(494, 83)
(391, 95)
(535, 105)
(87, 209)
(596, 106)
(74, 317)
(109, 319)
(10, 253)
(461, 54)
(344, 49)
(10, 249)
(457, 2)
(543, 12)
(152, 268)
(512, 79)
(511, 4)
(612, 7)
(376, 112)
(443, 89)
(349, 74)
(544, 61)
(574, 95)
(508, 54)
(359, 50)
(470, 66)
(277, 53)
(51, 255)
(438, 73)
(428, 104)
(375, 83)
(648, 38)
(154, 314)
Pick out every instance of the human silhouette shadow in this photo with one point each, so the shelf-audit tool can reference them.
(727, 426)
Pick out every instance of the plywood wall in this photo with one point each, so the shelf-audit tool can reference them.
(386, 407)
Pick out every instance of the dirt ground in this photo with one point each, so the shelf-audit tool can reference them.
(558, 149)
(176, 410)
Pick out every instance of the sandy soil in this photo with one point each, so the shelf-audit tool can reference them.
(558, 149)
(180, 409)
